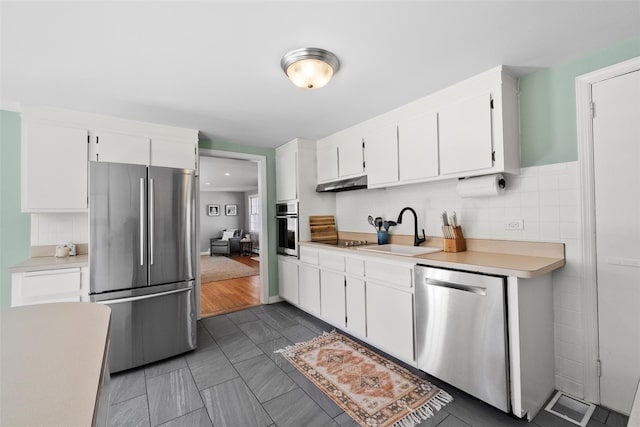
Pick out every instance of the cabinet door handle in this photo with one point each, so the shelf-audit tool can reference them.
(466, 288)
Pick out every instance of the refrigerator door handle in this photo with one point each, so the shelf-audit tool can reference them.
(151, 220)
(123, 300)
(141, 221)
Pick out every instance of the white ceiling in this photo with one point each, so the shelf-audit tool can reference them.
(214, 66)
(242, 174)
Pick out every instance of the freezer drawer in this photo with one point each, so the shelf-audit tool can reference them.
(461, 332)
(151, 327)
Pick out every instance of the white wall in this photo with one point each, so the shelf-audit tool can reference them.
(546, 197)
(55, 228)
(212, 226)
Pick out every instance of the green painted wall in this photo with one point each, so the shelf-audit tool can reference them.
(548, 105)
(15, 227)
(270, 154)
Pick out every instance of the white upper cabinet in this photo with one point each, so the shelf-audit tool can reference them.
(287, 173)
(120, 148)
(174, 154)
(381, 147)
(350, 157)
(327, 156)
(142, 150)
(418, 147)
(340, 156)
(56, 145)
(465, 136)
(468, 129)
(54, 167)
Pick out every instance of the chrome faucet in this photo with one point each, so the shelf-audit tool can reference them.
(416, 240)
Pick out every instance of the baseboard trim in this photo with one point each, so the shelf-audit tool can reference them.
(204, 253)
(275, 299)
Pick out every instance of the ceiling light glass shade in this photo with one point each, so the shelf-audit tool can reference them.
(310, 68)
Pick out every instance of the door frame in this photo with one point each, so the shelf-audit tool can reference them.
(264, 231)
(584, 116)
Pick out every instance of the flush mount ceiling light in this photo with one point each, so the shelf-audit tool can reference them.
(310, 67)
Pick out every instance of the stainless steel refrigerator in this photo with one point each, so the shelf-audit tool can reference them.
(142, 254)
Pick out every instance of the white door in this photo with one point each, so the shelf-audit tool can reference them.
(616, 152)
(381, 155)
(465, 135)
(332, 298)
(418, 147)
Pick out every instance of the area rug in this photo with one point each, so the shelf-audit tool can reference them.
(219, 267)
(374, 391)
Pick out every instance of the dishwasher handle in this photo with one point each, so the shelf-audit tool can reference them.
(451, 285)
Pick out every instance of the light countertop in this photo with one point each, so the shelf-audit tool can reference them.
(49, 263)
(52, 360)
(515, 263)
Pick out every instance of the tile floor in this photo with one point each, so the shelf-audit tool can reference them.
(234, 379)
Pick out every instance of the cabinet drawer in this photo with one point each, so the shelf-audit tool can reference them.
(332, 261)
(50, 282)
(308, 256)
(354, 266)
(398, 275)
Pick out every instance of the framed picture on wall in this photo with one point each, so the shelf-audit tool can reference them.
(213, 210)
(231, 210)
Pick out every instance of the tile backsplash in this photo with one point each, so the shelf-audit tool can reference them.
(55, 228)
(545, 197)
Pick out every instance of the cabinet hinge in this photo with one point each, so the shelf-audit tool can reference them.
(493, 156)
(593, 110)
(599, 368)
(97, 157)
(97, 139)
(364, 165)
(362, 142)
(345, 320)
(491, 104)
(88, 139)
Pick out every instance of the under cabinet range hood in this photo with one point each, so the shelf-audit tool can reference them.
(343, 185)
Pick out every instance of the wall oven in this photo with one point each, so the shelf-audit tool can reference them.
(287, 222)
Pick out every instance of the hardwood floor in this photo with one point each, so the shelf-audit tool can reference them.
(226, 296)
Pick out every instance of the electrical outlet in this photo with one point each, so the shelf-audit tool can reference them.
(515, 224)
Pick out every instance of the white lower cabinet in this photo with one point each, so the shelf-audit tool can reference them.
(332, 298)
(45, 286)
(309, 288)
(288, 279)
(365, 296)
(356, 307)
(390, 320)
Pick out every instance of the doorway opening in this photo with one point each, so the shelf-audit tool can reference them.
(232, 268)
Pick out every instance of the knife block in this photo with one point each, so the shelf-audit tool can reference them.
(456, 244)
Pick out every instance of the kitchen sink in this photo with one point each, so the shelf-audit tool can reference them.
(403, 250)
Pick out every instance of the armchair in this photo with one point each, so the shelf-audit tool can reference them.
(227, 243)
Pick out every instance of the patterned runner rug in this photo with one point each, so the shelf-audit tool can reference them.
(374, 391)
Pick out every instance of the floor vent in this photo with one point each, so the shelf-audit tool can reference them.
(571, 409)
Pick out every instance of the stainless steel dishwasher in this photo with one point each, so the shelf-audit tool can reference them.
(461, 331)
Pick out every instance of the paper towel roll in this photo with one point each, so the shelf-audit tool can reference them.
(482, 186)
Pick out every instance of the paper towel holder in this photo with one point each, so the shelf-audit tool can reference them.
(481, 186)
(502, 183)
